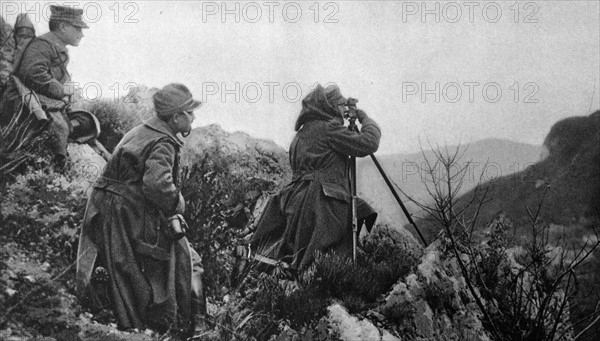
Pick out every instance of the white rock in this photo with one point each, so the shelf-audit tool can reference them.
(350, 328)
(429, 262)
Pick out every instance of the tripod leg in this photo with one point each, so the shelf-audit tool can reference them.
(397, 197)
(354, 207)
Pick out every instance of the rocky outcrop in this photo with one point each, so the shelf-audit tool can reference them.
(350, 328)
(213, 138)
(434, 302)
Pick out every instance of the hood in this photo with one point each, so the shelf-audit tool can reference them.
(315, 107)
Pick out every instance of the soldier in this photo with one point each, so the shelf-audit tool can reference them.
(7, 51)
(312, 213)
(43, 69)
(154, 275)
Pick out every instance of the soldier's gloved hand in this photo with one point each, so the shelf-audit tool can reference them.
(361, 115)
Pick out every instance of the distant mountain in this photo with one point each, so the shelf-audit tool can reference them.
(568, 178)
(490, 158)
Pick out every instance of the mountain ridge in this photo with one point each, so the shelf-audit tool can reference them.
(492, 158)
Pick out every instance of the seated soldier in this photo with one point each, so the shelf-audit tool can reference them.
(42, 67)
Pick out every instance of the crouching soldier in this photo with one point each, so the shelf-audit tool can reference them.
(131, 237)
(313, 213)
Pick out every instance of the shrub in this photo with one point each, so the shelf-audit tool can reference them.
(40, 215)
(218, 203)
(42, 211)
(23, 144)
(115, 120)
(527, 301)
(392, 254)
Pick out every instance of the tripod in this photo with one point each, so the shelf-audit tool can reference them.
(352, 173)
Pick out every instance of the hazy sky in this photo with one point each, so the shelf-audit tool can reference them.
(429, 69)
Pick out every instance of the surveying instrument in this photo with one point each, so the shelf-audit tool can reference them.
(350, 114)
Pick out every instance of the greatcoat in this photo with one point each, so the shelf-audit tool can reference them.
(313, 212)
(123, 231)
(43, 69)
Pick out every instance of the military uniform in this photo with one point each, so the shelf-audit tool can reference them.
(123, 231)
(155, 281)
(42, 67)
(313, 212)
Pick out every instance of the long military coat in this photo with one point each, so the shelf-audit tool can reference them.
(150, 275)
(313, 212)
(43, 67)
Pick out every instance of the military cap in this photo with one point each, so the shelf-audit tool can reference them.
(174, 98)
(70, 15)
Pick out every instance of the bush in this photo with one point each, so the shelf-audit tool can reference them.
(42, 211)
(218, 203)
(23, 145)
(39, 223)
(527, 301)
(115, 120)
(393, 255)
(275, 300)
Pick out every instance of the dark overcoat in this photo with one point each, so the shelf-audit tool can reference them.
(313, 212)
(43, 69)
(150, 274)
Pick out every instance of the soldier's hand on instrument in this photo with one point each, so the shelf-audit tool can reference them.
(361, 115)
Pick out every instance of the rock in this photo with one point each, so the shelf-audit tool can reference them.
(429, 263)
(424, 319)
(375, 316)
(429, 303)
(398, 304)
(351, 328)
